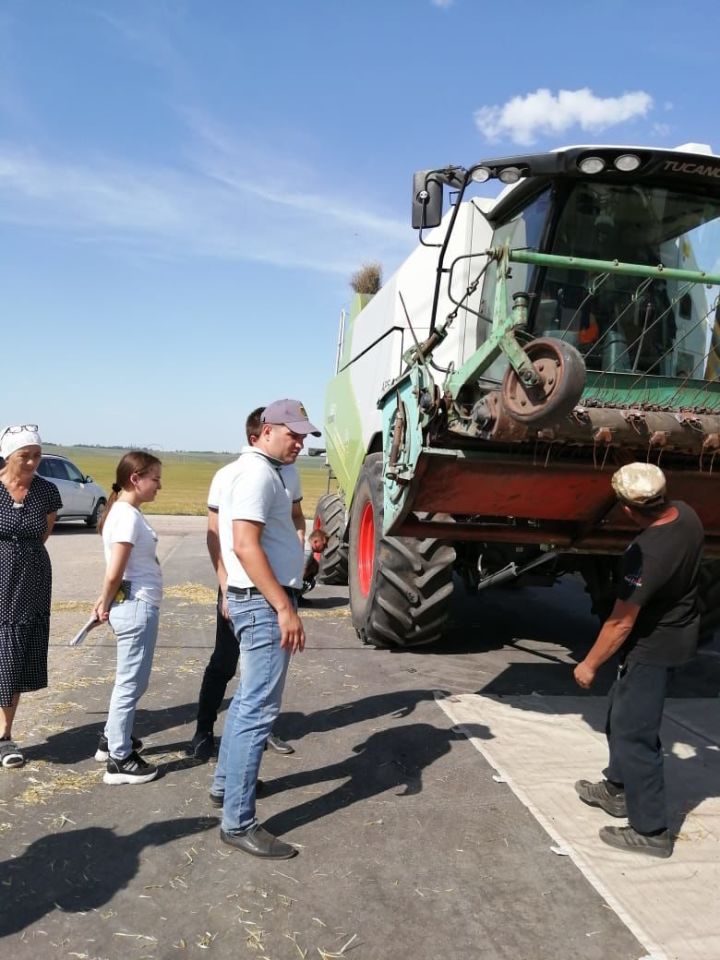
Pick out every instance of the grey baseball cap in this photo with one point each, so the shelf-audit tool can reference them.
(642, 484)
(292, 414)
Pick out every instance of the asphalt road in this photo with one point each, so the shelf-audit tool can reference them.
(408, 846)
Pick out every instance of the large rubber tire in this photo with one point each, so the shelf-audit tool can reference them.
(562, 373)
(330, 516)
(709, 599)
(400, 588)
(94, 519)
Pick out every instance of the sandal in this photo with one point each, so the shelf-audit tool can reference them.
(10, 754)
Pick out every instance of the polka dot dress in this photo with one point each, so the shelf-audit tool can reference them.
(25, 588)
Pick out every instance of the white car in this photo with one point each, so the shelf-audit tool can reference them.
(82, 498)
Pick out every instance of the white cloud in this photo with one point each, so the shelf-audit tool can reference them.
(523, 119)
(443, 4)
(220, 205)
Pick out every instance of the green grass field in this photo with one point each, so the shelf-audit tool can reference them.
(187, 476)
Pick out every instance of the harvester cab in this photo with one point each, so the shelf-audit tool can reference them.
(532, 344)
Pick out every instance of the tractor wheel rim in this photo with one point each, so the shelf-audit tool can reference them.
(366, 549)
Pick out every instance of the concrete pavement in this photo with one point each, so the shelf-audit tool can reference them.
(408, 847)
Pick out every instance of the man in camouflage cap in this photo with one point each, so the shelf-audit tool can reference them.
(654, 626)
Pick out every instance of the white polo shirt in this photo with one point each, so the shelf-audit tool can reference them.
(257, 489)
(223, 479)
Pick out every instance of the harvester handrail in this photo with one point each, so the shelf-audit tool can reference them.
(612, 266)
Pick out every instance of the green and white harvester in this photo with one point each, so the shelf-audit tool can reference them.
(530, 345)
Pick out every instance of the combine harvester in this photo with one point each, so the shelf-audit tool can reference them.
(528, 347)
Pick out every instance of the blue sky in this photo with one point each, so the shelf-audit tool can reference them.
(186, 187)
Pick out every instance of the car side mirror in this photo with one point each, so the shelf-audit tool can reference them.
(87, 479)
(427, 200)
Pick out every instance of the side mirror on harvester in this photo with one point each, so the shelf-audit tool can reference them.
(427, 200)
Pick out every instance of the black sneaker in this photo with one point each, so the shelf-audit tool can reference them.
(599, 795)
(201, 747)
(133, 769)
(627, 838)
(103, 751)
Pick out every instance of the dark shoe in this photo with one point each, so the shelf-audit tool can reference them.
(103, 750)
(259, 843)
(627, 838)
(598, 795)
(202, 747)
(133, 769)
(278, 745)
(10, 754)
(218, 799)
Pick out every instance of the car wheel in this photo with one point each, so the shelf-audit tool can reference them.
(96, 516)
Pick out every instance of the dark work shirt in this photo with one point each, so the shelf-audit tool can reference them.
(660, 569)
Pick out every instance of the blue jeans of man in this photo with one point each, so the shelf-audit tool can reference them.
(254, 708)
(135, 624)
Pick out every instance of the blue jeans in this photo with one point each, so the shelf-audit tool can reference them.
(254, 708)
(135, 624)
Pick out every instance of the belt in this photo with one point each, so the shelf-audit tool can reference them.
(254, 592)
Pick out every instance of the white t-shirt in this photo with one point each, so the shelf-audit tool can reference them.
(258, 491)
(223, 480)
(126, 524)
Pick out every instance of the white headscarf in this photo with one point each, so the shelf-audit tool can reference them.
(16, 437)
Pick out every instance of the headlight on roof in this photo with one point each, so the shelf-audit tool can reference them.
(481, 174)
(626, 162)
(592, 165)
(509, 175)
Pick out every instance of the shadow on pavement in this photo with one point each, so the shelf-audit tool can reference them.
(387, 760)
(80, 870)
(80, 743)
(399, 703)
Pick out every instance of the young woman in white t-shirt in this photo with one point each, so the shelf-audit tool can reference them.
(130, 600)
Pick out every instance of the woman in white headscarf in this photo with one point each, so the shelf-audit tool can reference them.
(28, 509)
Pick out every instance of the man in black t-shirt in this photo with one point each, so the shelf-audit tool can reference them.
(654, 625)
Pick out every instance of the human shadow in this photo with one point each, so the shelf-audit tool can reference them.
(386, 760)
(293, 725)
(80, 870)
(80, 743)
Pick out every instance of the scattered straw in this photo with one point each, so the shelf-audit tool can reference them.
(332, 613)
(81, 683)
(60, 782)
(71, 606)
(193, 592)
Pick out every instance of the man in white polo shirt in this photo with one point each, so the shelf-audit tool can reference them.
(223, 663)
(264, 560)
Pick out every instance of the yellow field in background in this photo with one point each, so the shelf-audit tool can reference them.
(187, 476)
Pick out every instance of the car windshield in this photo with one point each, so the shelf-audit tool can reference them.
(623, 323)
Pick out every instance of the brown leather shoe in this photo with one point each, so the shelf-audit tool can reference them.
(258, 842)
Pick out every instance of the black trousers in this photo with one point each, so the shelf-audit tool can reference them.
(635, 711)
(218, 673)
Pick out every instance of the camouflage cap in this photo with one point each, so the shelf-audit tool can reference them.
(639, 484)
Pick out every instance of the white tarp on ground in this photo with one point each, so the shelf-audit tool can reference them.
(541, 745)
